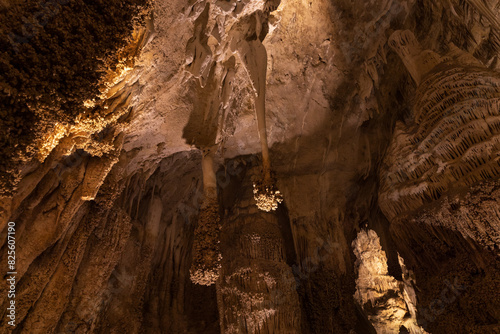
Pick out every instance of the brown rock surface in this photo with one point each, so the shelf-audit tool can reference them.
(381, 123)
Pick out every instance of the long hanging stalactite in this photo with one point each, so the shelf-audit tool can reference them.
(254, 57)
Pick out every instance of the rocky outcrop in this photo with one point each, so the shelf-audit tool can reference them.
(56, 64)
(438, 184)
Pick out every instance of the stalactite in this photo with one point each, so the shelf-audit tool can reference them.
(254, 56)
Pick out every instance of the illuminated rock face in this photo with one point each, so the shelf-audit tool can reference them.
(106, 212)
(386, 301)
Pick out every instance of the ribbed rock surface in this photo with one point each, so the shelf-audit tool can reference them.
(452, 142)
(256, 290)
(439, 186)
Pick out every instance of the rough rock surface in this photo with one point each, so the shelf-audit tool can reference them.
(256, 291)
(359, 138)
(387, 301)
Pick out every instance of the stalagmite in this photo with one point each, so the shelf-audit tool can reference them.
(257, 290)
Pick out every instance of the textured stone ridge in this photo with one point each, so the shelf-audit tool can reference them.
(474, 212)
(452, 142)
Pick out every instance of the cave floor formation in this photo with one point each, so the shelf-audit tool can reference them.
(250, 166)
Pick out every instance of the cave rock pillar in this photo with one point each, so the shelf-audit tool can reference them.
(256, 288)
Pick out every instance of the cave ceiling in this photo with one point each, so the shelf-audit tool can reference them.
(250, 166)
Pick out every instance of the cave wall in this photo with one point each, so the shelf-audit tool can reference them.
(105, 220)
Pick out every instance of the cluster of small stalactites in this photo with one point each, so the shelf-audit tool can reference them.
(205, 276)
(267, 196)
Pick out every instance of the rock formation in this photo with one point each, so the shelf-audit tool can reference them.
(387, 301)
(257, 289)
(142, 197)
(452, 142)
(206, 254)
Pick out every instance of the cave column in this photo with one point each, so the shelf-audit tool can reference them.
(256, 289)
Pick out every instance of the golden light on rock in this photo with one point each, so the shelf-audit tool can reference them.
(266, 196)
(144, 155)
